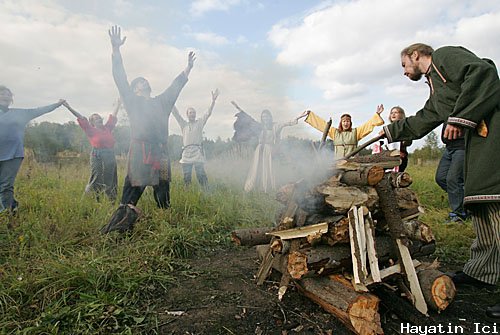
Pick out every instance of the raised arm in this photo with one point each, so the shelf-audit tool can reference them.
(74, 112)
(317, 122)
(189, 67)
(237, 107)
(180, 120)
(119, 74)
(215, 94)
(169, 96)
(36, 112)
(367, 127)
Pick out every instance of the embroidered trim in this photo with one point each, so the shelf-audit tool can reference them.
(463, 122)
(482, 198)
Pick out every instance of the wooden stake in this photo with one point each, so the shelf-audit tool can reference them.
(370, 248)
(411, 275)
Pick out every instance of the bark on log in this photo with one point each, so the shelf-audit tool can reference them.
(279, 261)
(439, 290)
(417, 230)
(341, 198)
(251, 236)
(385, 159)
(388, 206)
(400, 179)
(407, 198)
(338, 232)
(401, 307)
(369, 175)
(357, 311)
(414, 229)
(324, 260)
(412, 213)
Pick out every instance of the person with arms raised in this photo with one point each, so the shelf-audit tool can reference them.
(148, 163)
(13, 123)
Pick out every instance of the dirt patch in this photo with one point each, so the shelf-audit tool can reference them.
(218, 295)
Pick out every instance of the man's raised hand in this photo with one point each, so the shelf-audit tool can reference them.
(215, 94)
(191, 59)
(115, 37)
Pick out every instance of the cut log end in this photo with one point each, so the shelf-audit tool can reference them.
(363, 309)
(438, 289)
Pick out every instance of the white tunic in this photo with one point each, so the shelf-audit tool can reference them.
(192, 137)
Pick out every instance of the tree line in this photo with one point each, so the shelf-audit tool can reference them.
(49, 140)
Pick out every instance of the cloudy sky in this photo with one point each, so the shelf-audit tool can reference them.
(332, 57)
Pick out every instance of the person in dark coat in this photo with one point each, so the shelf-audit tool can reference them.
(148, 162)
(464, 93)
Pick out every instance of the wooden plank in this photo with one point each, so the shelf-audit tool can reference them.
(370, 248)
(389, 271)
(320, 228)
(411, 275)
(361, 234)
(265, 267)
(355, 252)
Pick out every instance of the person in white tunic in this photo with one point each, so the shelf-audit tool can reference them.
(192, 137)
(261, 174)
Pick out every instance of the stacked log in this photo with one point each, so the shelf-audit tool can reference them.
(316, 246)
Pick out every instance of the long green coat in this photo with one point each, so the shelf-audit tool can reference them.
(465, 90)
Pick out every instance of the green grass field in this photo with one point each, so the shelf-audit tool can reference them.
(58, 275)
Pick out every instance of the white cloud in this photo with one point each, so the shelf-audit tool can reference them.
(341, 57)
(65, 55)
(353, 47)
(200, 7)
(210, 38)
(241, 39)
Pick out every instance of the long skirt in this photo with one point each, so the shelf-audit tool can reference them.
(103, 174)
(261, 175)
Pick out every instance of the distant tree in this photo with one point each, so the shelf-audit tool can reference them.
(431, 150)
(47, 139)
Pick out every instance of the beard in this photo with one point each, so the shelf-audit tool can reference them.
(416, 75)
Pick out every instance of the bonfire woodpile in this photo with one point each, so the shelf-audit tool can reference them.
(353, 242)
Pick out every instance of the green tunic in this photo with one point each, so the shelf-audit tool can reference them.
(465, 90)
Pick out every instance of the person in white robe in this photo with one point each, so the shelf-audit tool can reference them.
(192, 138)
(261, 175)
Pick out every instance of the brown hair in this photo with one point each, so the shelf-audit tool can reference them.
(421, 48)
(400, 110)
(5, 88)
(91, 119)
(340, 129)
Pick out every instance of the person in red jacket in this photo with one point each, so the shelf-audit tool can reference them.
(103, 174)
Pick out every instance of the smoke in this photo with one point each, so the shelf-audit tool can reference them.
(293, 160)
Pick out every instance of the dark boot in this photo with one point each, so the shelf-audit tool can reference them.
(493, 311)
(123, 219)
